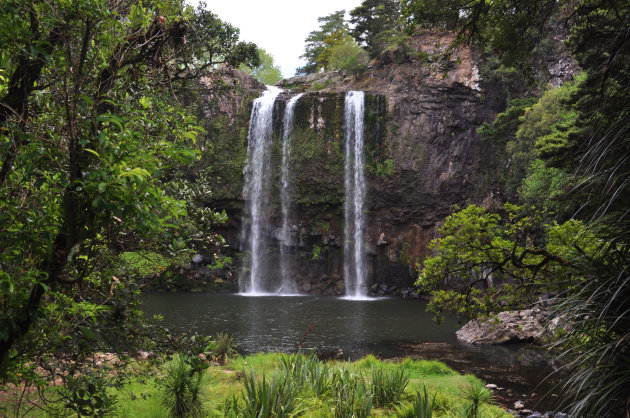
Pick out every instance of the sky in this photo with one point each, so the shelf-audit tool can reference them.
(277, 26)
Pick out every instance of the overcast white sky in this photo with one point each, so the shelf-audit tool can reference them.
(277, 26)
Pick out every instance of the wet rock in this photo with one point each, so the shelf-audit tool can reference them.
(306, 287)
(381, 240)
(519, 405)
(491, 386)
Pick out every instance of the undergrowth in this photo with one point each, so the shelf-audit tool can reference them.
(281, 385)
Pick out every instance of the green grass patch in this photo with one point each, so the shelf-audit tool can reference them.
(305, 386)
(319, 389)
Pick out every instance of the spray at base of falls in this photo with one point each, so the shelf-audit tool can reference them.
(354, 265)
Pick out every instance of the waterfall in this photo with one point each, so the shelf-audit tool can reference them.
(256, 188)
(286, 268)
(354, 265)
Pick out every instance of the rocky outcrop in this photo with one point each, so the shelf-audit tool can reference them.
(526, 326)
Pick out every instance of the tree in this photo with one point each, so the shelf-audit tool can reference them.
(331, 42)
(333, 25)
(211, 41)
(433, 13)
(597, 313)
(549, 189)
(348, 57)
(266, 72)
(508, 29)
(546, 126)
(597, 343)
(487, 263)
(89, 131)
(372, 18)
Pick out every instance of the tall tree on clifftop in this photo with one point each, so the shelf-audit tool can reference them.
(372, 18)
(265, 72)
(332, 26)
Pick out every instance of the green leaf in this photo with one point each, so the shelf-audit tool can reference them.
(91, 151)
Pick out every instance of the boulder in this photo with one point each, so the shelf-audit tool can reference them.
(505, 328)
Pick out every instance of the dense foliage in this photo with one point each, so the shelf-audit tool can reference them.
(348, 56)
(489, 262)
(570, 153)
(372, 18)
(332, 31)
(92, 144)
(266, 72)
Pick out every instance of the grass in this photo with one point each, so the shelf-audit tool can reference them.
(323, 389)
(317, 389)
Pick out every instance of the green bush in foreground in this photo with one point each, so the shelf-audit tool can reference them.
(181, 387)
(307, 371)
(388, 387)
(422, 407)
(353, 395)
(278, 398)
(477, 395)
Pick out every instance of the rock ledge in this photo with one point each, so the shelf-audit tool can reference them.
(506, 327)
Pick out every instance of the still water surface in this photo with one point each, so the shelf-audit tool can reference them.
(275, 323)
(385, 327)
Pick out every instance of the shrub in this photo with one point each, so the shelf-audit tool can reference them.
(307, 371)
(86, 395)
(222, 346)
(353, 394)
(388, 387)
(181, 387)
(476, 395)
(263, 399)
(422, 407)
(348, 57)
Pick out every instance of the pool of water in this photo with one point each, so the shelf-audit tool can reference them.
(278, 323)
(386, 327)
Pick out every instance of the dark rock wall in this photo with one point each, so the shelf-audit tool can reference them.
(423, 156)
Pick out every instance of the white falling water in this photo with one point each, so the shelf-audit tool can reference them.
(354, 241)
(256, 187)
(286, 270)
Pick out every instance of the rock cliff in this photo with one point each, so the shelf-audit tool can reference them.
(423, 156)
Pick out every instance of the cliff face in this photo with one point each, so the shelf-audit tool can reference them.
(422, 152)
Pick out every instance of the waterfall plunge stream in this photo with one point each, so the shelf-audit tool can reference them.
(354, 265)
(286, 270)
(256, 188)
